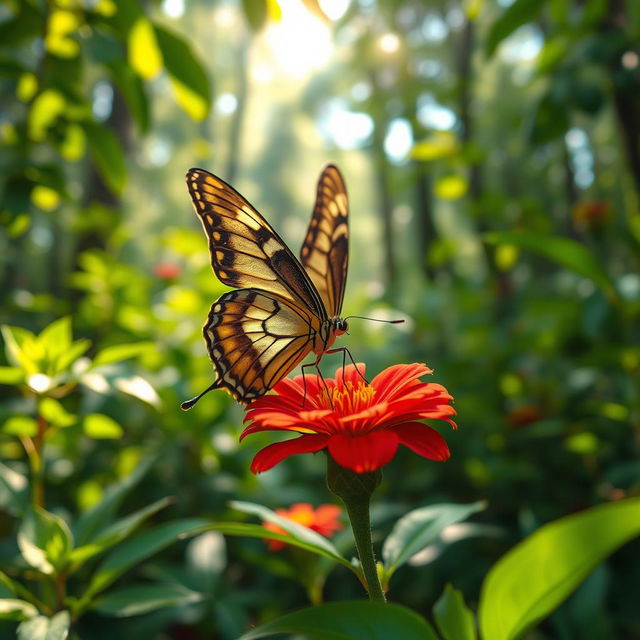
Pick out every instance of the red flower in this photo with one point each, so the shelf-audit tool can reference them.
(167, 270)
(360, 424)
(323, 520)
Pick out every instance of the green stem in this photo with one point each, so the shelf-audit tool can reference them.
(355, 489)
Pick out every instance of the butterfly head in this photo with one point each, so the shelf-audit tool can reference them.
(340, 326)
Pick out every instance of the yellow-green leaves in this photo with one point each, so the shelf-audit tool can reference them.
(452, 187)
(532, 579)
(144, 54)
(99, 426)
(440, 145)
(45, 110)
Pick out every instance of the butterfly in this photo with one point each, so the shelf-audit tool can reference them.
(281, 308)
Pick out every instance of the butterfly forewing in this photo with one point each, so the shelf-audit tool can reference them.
(245, 251)
(254, 340)
(259, 332)
(325, 250)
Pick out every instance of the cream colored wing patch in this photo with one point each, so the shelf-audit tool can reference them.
(325, 251)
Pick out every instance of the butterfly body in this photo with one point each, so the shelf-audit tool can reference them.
(283, 308)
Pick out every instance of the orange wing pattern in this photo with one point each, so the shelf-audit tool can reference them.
(255, 340)
(325, 251)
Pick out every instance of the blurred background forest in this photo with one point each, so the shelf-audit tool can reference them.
(491, 150)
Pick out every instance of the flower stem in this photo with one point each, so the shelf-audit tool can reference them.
(355, 489)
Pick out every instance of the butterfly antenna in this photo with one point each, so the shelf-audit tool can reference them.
(376, 319)
(187, 404)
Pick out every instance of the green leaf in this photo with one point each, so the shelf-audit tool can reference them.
(56, 337)
(258, 531)
(119, 352)
(13, 609)
(20, 426)
(515, 15)
(132, 89)
(14, 490)
(296, 530)
(45, 541)
(11, 375)
(52, 411)
(107, 155)
(135, 600)
(566, 252)
(21, 347)
(43, 628)
(89, 525)
(145, 56)
(453, 617)
(17, 589)
(115, 533)
(256, 12)
(532, 579)
(189, 78)
(348, 621)
(101, 427)
(420, 528)
(139, 548)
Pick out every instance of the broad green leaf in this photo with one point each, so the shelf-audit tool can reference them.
(68, 357)
(139, 548)
(296, 530)
(515, 15)
(132, 89)
(348, 621)
(536, 576)
(11, 375)
(43, 628)
(99, 426)
(107, 155)
(53, 412)
(115, 533)
(17, 589)
(22, 348)
(566, 252)
(420, 528)
(120, 352)
(258, 531)
(45, 541)
(14, 490)
(88, 527)
(13, 609)
(453, 618)
(135, 600)
(56, 337)
(145, 56)
(20, 426)
(188, 76)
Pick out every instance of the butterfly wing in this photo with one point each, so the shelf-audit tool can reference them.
(254, 340)
(245, 251)
(325, 251)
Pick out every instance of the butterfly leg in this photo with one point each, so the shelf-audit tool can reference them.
(346, 352)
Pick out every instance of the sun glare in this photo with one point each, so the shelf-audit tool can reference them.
(300, 41)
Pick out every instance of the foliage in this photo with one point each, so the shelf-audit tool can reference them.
(491, 152)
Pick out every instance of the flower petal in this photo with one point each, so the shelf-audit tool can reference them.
(393, 381)
(364, 453)
(275, 453)
(350, 374)
(423, 440)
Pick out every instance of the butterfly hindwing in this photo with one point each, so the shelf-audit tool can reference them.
(325, 250)
(254, 340)
(245, 251)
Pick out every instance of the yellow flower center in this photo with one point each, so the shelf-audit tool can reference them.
(348, 398)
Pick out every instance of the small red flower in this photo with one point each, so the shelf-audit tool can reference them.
(167, 270)
(323, 520)
(360, 424)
